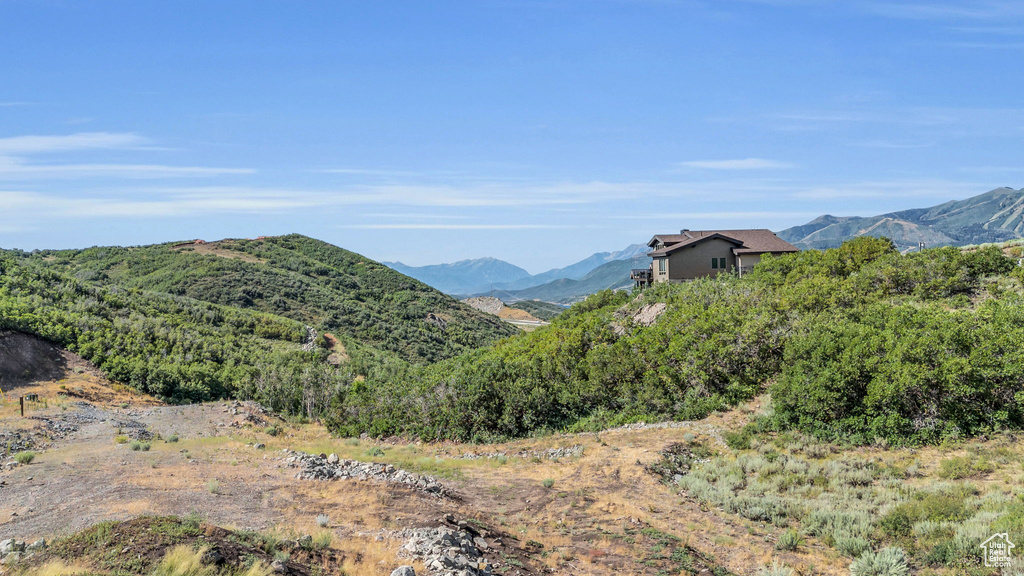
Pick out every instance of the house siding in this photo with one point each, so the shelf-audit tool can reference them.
(695, 261)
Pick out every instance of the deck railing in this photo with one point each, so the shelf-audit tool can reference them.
(640, 274)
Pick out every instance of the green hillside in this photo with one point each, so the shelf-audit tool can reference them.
(173, 347)
(855, 344)
(994, 216)
(306, 280)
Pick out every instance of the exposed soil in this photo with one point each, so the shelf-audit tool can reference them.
(25, 358)
(600, 512)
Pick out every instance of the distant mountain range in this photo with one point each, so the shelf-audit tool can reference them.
(994, 216)
(484, 276)
(464, 276)
(611, 275)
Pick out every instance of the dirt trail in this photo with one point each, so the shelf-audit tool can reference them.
(599, 513)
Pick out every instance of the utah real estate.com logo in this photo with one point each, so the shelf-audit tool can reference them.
(997, 550)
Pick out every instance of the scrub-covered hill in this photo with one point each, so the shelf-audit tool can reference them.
(856, 343)
(306, 280)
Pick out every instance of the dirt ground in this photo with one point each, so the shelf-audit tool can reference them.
(595, 513)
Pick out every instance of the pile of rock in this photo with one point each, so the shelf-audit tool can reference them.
(549, 454)
(447, 551)
(250, 412)
(133, 429)
(11, 549)
(323, 467)
(15, 442)
(66, 423)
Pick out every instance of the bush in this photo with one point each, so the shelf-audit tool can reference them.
(885, 562)
(272, 430)
(24, 457)
(374, 451)
(138, 445)
(852, 547)
(548, 482)
(776, 569)
(322, 520)
(960, 467)
(171, 439)
(738, 440)
(789, 540)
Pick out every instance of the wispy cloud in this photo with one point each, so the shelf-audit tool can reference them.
(724, 215)
(737, 164)
(404, 226)
(894, 145)
(20, 171)
(367, 172)
(995, 10)
(15, 152)
(23, 145)
(938, 189)
(988, 45)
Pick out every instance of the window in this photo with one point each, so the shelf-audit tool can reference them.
(661, 265)
(714, 262)
(719, 263)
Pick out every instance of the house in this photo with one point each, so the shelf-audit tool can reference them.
(697, 253)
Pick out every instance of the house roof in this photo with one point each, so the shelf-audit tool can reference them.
(757, 241)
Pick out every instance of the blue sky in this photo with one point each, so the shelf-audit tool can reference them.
(534, 131)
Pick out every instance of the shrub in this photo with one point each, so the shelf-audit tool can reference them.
(171, 439)
(213, 485)
(852, 547)
(322, 520)
(960, 467)
(548, 482)
(272, 430)
(837, 523)
(885, 562)
(776, 569)
(140, 446)
(322, 541)
(374, 451)
(25, 457)
(789, 540)
(738, 440)
(192, 520)
(121, 439)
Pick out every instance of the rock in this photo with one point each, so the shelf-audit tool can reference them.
(259, 446)
(213, 557)
(403, 571)
(305, 541)
(333, 459)
(37, 545)
(278, 567)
